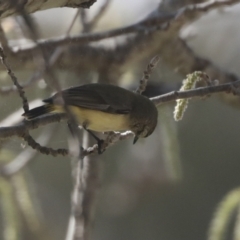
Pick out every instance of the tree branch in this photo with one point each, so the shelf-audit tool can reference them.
(146, 74)
(21, 129)
(16, 165)
(198, 92)
(15, 81)
(171, 23)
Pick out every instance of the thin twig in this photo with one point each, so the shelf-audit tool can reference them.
(75, 228)
(21, 128)
(14, 118)
(84, 21)
(99, 14)
(198, 92)
(93, 37)
(146, 74)
(25, 156)
(38, 74)
(54, 83)
(44, 150)
(73, 22)
(85, 172)
(33, 79)
(15, 81)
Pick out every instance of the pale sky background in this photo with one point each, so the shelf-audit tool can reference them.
(215, 36)
(119, 13)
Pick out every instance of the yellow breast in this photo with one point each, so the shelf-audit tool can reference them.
(99, 121)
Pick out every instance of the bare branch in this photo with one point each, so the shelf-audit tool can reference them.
(45, 150)
(198, 92)
(24, 157)
(158, 21)
(84, 21)
(146, 74)
(99, 14)
(15, 81)
(76, 224)
(20, 129)
(33, 79)
(38, 74)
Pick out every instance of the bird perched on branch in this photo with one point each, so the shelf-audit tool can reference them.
(102, 108)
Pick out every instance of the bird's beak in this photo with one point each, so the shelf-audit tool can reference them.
(135, 139)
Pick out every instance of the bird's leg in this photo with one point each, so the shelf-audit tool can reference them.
(99, 141)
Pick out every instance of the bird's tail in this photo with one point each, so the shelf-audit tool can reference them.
(38, 111)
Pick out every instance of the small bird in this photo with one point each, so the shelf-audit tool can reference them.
(103, 107)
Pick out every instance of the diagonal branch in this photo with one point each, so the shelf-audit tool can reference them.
(146, 74)
(27, 155)
(21, 130)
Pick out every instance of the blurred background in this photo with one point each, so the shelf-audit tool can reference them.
(167, 186)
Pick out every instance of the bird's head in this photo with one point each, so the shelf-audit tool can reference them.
(143, 117)
(144, 129)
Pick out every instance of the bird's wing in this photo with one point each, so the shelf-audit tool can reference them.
(91, 98)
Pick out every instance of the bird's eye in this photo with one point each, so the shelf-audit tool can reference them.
(137, 125)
